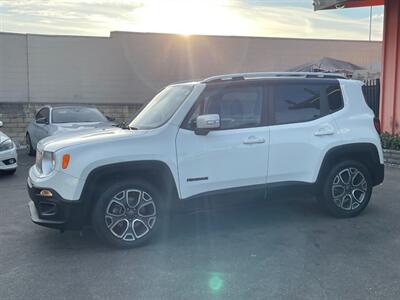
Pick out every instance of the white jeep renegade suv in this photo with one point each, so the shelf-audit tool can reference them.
(225, 134)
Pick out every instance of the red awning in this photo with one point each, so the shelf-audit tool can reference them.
(331, 4)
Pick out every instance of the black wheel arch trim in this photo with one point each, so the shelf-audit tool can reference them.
(366, 153)
(121, 170)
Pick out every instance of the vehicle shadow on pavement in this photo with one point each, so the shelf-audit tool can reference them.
(218, 222)
(209, 220)
(213, 219)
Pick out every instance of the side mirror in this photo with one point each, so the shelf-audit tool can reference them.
(206, 123)
(42, 121)
(111, 119)
(1, 124)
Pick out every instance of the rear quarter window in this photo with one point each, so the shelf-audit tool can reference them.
(335, 98)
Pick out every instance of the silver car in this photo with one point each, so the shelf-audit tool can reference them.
(8, 154)
(63, 119)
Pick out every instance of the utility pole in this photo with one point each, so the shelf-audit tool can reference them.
(370, 23)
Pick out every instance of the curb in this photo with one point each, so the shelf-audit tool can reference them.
(391, 158)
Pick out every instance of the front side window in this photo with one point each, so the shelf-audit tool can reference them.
(159, 110)
(238, 107)
(43, 115)
(77, 115)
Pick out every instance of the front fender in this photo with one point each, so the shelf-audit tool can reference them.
(127, 167)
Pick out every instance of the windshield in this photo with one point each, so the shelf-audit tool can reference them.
(77, 115)
(162, 107)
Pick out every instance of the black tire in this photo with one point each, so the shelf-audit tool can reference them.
(29, 149)
(108, 232)
(9, 172)
(346, 205)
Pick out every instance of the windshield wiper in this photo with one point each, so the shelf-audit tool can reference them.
(123, 125)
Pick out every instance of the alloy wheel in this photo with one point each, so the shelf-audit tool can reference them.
(349, 188)
(131, 214)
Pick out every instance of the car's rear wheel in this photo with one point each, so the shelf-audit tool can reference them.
(347, 189)
(127, 214)
(29, 148)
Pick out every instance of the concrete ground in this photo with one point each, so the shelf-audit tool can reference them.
(281, 248)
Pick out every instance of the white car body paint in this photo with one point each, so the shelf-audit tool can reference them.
(97, 147)
(228, 158)
(222, 159)
(354, 120)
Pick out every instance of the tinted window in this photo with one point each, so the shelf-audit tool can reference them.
(43, 114)
(296, 103)
(238, 107)
(335, 99)
(77, 115)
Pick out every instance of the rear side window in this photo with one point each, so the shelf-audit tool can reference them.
(294, 103)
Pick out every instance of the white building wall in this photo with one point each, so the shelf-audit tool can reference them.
(13, 68)
(131, 67)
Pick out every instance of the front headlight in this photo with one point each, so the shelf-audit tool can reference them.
(6, 145)
(45, 162)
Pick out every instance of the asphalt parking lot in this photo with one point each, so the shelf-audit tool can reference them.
(280, 248)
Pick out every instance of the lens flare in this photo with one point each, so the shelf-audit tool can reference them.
(215, 282)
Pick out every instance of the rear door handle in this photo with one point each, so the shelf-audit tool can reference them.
(253, 140)
(325, 129)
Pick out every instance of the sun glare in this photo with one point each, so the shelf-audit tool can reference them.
(189, 17)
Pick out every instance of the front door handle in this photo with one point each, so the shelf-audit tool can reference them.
(325, 129)
(253, 140)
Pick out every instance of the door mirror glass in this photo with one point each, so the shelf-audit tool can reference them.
(1, 124)
(205, 123)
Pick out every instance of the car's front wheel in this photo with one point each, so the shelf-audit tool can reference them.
(127, 213)
(347, 189)
(29, 148)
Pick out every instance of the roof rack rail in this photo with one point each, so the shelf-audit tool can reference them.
(257, 75)
(185, 81)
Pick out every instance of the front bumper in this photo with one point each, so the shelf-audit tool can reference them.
(55, 212)
(8, 159)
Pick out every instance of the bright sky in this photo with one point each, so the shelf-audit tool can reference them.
(273, 18)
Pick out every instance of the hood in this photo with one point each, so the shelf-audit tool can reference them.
(3, 137)
(93, 136)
